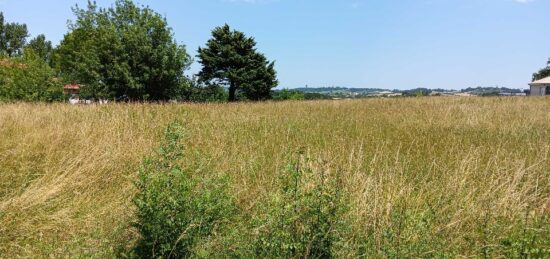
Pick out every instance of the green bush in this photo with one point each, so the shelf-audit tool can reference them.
(287, 94)
(28, 78)
(199, 92)
(176, 210)
(305, 217)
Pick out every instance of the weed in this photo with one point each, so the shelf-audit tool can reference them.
(306, 215)
(175, 209)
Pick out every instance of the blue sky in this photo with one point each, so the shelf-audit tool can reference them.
(395, 44)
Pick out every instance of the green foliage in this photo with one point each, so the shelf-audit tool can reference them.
(542, 73)
(417, 92)
(122, 50)
(530, 241)
(199, 92)
(409, 234)
(231, 59)
(414, 233)
(316, 96)
(176, 209)
(41, 47)
(25, 73)
(305, 218)
(28, 78)
(286, 94)
(2, 35)
(13, 37)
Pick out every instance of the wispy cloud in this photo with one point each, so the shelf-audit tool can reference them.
(524, 1)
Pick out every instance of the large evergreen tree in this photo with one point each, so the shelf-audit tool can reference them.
(122, 50)
(231, 59)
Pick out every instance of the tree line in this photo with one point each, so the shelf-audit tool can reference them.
(130, 51)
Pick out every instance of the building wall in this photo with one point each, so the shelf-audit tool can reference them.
(538, 90)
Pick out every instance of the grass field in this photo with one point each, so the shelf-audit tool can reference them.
(424, 176)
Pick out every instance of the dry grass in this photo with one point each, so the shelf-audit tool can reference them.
(67, 172)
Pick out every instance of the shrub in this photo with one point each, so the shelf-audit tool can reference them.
(287, 94)
(28, 78)
(305, 216)
(200, 92)
(175, 209)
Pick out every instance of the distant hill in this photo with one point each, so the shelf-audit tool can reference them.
(338, 90)
(347, 92)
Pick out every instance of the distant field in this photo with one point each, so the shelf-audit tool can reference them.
(466, 176)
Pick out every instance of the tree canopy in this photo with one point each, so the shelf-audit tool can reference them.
(13, 37)
(28, 78)
(24, 70)
(230, 59)
(122, 50)
(41, 47)
(543, 73)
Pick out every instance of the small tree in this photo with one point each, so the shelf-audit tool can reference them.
(231, 59)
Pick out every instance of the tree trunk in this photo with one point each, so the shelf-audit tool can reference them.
(232, 90)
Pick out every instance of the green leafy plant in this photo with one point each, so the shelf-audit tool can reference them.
(28, 78)
(176, 209)
(528, 241)
(306, 215)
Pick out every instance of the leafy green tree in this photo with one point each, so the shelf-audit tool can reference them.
(2, 35)
(543, 73)
(41, 47)
(13, 37)
(230, 59)
(122, 50)
(28, 78)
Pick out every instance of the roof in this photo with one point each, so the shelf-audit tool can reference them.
(72, 87)
(544, 81)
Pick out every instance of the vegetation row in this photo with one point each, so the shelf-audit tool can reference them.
(129, 52)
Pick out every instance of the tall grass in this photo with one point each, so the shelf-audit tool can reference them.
(423, 177)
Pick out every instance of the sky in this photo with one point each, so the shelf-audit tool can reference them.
(393, 44)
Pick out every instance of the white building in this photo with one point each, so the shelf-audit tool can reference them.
(540, 87)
